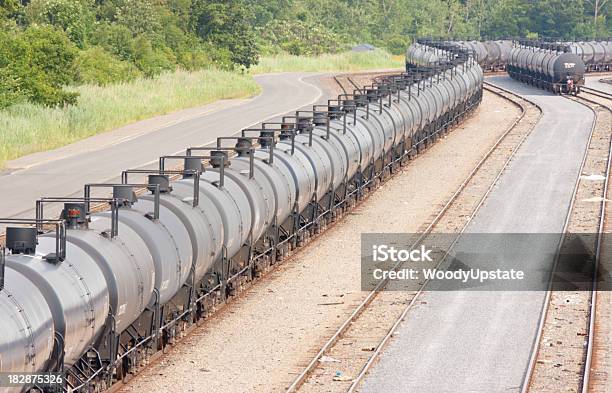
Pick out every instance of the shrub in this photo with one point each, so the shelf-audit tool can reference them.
(152, 60)
(97, 66)
(300, 37)
(34, 66)
(115, 39)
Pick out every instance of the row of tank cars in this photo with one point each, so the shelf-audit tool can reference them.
(557, 66)
(494, 55)
(546, 65)
(490, 55)
(95, 293)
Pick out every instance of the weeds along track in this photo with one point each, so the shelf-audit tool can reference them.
(568, 344)
(362, 336)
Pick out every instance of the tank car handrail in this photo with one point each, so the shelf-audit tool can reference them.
(87, 193)
(193, 173)
(260, 138)
(379, 99)
(2, 265)
(60, 234)
(251, 150)
(114, 203)
(297, 120)
(280, 131)
(163, 159)
(188, 154)
(314, 113)
(329, 113)
(126, 172)
(385, 87)
(342, 102)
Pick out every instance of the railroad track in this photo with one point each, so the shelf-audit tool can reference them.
(352, 81)
(346, 83)
(362, 336)
(596, 93)
(562, 356)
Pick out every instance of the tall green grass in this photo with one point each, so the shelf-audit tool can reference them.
(345, 61)
(27, 128)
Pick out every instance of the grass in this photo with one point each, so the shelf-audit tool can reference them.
(27, 128)
(345, 61)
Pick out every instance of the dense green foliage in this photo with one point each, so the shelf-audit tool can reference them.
(48, 44)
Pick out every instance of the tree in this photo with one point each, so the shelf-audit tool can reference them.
(556, 18)
(35, 65)
(75, 17)
(226, 25)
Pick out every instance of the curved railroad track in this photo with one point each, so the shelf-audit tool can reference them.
(562, 353)
(389, 308)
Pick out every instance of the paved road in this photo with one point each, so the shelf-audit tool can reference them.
(64, 171)
(480, 341)
(594, 83)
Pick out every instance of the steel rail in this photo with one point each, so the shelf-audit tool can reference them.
(302, 377)
(593, 305)
(535, 346)
(598, 93)
(340, 84)
(545, 306)
(355, 383)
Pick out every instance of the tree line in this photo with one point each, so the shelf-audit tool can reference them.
(46, 45)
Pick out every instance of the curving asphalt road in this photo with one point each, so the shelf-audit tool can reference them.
(63, 172)
(480, 341)
(594, 83)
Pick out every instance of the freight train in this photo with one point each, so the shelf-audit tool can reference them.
(596, 55)
(491, 55)
(548, 66)
(551, 65)
(494, 55)
(93, 294)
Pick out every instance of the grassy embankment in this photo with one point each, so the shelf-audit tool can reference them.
(27, 128)
(347, 61)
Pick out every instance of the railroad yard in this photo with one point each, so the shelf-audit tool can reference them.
(228, 248)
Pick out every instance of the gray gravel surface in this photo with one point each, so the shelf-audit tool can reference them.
(480, 341)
